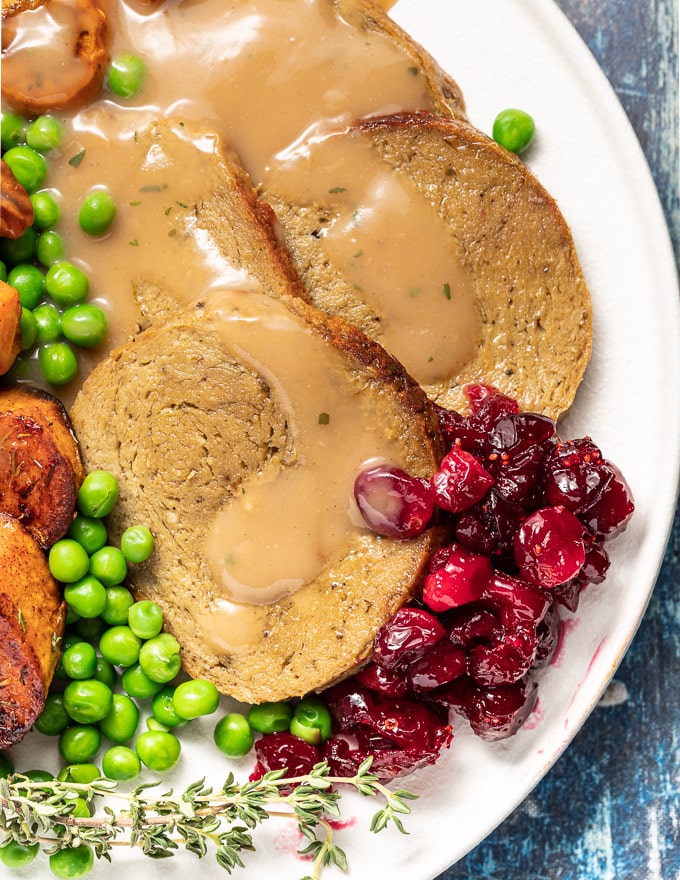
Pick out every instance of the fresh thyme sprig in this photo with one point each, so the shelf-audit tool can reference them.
(198, 820)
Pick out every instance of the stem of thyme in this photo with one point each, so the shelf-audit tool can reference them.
(199, 819)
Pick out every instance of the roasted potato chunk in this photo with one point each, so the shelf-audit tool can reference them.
(40, 467)
(10, 326)
(32, 615)
(71, 79)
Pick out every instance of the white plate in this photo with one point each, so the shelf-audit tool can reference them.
(524, 53)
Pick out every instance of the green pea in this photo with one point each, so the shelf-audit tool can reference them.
(29, 281)
(97, 213)
(79, 661)
(45, 133)
(233, 735)
(68, 561)
(514, 130)
(160, 657)
(17, 855)
(85, 325)
(137, 684)
(28, 166)
(72, 862)
(66, 284)
(48, 323)
(137, 543)
(105, 672)
(12, 130)
(39, 775)
(193, 699)
(88, 701)
(145, 619)
(19, 250)
(89, 532)
(6, 768)
(121, 723)
(87, 596)
(121, 763)
(3, 271)
(153, 723)
(49, 248)
(312, 721)
(108, 565)
(98, 494)
(79, 742)
(28, 328)
(120, 646)
(46, 211)
(58, 363)
(89, 629)
(118, 603)
(126, 74)
(163, 708)
(270, 717)
(81, 773)
(158, 750)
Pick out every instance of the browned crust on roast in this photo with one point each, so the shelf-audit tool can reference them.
(529, 289)
(445, 94)
(32, 615)
(324, 630)
(40, 466)
(65, 87)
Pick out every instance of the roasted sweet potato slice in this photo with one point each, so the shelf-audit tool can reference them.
(32, 615)
(40, 467)
(10, 326)
(71, 41)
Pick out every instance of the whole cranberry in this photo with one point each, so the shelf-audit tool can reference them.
(461, 579)
(392, 502)
(549, 548)
(461, 481)
(406, 637)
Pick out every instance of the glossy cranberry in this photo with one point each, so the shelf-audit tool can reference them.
(277, 751)
(473, 625)
(392, 502)
(344, 755)
(575, 475)
(520, 431)
(505, 662)
(390, 682)
(489, 527)
(439, 666)
(548, 632)
(516, 602)
(549, 548)
(489, 402)
(402, 722)
(461, 579)
(612, 511)
(406, 637)
(596, 565)
(461, 481)
(493, 713)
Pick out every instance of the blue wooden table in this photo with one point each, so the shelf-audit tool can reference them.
(610, 807)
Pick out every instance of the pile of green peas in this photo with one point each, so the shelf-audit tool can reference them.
(53, 291)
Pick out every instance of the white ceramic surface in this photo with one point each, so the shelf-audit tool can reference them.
(524, 53)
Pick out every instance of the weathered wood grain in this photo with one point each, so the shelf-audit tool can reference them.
(610, 808)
